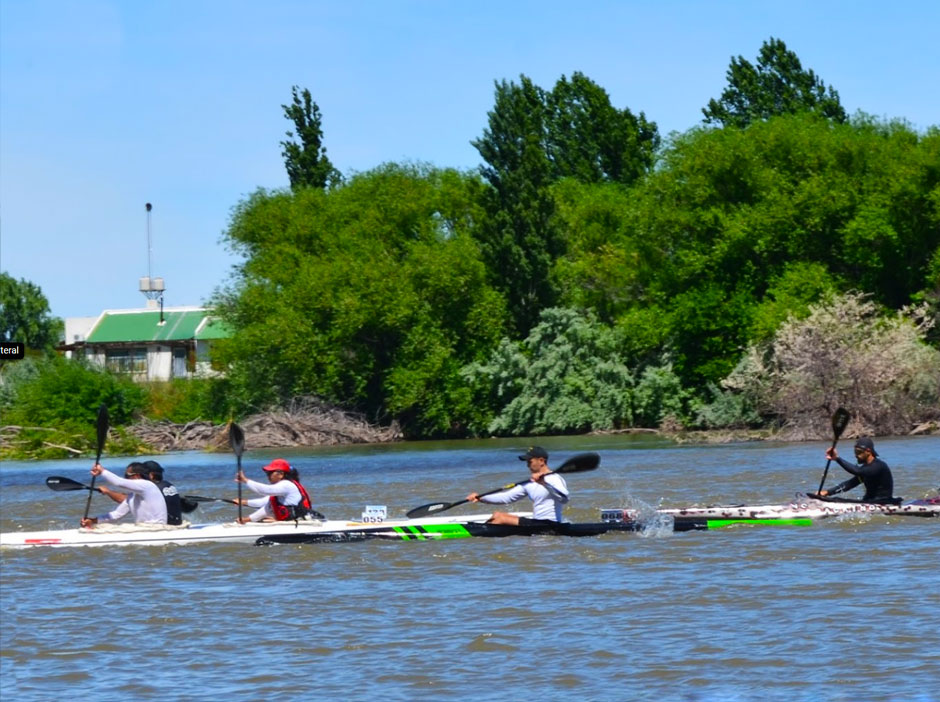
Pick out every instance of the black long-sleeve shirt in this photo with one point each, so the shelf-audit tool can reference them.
(875, 476)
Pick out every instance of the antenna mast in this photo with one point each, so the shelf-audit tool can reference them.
(151, 287)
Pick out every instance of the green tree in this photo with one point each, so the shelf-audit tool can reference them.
(591, 140)
(370, 296)
(306, 161)
(518, 239)
(736, 229)
(777, 85)
(24, 315)
(534, 139)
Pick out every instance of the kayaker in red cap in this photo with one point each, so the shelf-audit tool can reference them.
(548, 492)
(284, 497)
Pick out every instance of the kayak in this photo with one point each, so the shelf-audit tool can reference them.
(228, 532)
(373, 525)
(805, 506)
(334, 531)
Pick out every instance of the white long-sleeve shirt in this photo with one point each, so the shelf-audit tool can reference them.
(547, 500)
(285, 490)
(145, 502)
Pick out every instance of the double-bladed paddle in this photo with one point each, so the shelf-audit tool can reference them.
(102, 435)
(576, 464)
(840, 420)
(60, 483)
(236, 438)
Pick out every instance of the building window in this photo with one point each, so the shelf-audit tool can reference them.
(131, 361)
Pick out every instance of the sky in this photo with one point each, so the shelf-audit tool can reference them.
(106, 105)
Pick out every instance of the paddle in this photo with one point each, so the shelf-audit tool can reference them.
(840, 420)
(199, 498)
(236, 438)
(61, 484)
(102, 435)
(576, 464)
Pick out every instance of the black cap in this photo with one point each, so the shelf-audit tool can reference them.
(534, 452)
(153, 467)
(866, 443)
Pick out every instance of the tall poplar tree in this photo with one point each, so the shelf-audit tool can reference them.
(777, 85)
(306, 161)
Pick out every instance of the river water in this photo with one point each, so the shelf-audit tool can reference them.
(843, 610)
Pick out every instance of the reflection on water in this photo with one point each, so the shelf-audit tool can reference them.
(844, 610)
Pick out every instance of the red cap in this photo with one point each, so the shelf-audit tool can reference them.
(278, 464)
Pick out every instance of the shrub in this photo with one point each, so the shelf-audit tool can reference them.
(844, 353)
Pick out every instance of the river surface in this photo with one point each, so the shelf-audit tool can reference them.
(844, 610)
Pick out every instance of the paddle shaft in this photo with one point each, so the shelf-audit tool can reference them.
(102, 429)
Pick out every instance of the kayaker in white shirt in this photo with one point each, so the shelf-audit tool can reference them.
(548, 492)
(145, 502)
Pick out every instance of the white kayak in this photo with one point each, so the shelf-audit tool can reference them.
(807, 507)
(231, 532)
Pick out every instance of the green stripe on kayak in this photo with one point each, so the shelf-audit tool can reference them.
(433, 531)
(719, 523)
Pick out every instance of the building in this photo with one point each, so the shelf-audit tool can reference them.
(148, 344)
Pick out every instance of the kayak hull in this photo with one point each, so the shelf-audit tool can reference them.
(807, 508)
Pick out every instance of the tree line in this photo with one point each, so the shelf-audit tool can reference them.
(592, 274)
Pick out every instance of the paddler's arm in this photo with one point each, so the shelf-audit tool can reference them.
(558, 493)
(116, 496)
(852, 482)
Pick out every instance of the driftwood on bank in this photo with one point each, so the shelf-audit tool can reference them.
(306, 422)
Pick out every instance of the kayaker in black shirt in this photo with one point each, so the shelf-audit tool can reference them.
(871, 472)
(175, 503)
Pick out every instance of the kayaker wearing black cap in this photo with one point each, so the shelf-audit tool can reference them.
(871, 471)
(548, 492)
(285, 497)
(175, 504)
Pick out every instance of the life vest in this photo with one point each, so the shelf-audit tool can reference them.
(286, 512)
(174, 507)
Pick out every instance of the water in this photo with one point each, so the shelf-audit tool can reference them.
(844, 610)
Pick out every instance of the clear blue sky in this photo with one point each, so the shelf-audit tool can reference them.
(106, 105)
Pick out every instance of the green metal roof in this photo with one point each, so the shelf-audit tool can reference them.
(213, 329)
(145, 326)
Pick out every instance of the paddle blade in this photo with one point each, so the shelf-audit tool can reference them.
(102, 429)
(840, 420)
(236, 438)
(425, 510)
(580, 463)
(60, 484)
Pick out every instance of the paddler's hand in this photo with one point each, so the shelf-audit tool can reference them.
(823, 493)
(831, 454)
(473, 497)
(240, 477)
(243, 520)
(89, 522)
(96, 469)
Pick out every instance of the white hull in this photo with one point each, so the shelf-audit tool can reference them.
(230, 532)
(804, 507)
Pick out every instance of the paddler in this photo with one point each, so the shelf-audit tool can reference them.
(283, 498)
(548, 492)
(145, 502)
(871, 472)
(175, 505)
